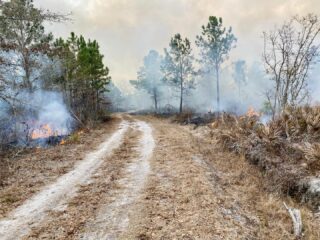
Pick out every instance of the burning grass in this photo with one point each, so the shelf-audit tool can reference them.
(287, 149)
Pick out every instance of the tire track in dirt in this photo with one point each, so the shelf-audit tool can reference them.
(177, 202)
(70, 222)
(113, 219)
(197, 191)
(34, 210)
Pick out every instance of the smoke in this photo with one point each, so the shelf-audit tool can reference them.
(39, 113)
(202, 99)
(233, 98)
(314, 84)
(51, 110)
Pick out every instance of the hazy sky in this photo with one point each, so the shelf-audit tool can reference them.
(128, 29)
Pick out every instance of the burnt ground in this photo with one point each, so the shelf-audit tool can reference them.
(188, 188)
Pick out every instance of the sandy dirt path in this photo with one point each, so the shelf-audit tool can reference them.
(33, 211)
(113, 219)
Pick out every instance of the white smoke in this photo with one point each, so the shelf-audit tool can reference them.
(51, 110)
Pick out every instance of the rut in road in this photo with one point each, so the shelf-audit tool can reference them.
(113, 219)
(33, 211)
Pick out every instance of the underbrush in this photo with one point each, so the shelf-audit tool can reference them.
(4, 170)
(190, 116)
(287, 149)
(184, 117)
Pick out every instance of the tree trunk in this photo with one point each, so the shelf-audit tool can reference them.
(181, 87)
(181, 94)
(218, 87)
(156, 103)
(276, 99)
(155, 96)
(181, 100)
(284, 100)
(26, 66)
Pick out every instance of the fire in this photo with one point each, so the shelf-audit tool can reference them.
(81, 132)
(44, 131)
(44, 134)
(253, 113)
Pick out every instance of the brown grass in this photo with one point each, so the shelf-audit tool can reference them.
(217, 195)
(286, 150)
(183, 117)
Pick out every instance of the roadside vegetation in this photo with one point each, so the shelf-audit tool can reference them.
(48, 86)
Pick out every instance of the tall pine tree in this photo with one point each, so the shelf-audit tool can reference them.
(215, 43)
(85, 77)
(178, 66)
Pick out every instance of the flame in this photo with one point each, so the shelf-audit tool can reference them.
(44, 131)
(81, 132)
(253, 113)
(63, 142)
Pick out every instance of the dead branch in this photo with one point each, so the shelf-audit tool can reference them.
(78, 119)
(295, 215)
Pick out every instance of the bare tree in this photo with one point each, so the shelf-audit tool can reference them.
(289, 53)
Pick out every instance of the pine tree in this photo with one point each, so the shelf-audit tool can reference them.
(178, 66)
(22, 31)
(215, 43)
(85, 77)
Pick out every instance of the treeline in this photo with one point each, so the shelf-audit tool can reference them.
(290, 51)
(85, 78)
(176, 69)
(32, 59)
(47, 82)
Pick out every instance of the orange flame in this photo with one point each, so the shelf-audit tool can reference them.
(81, 132)
(63, 142)
(44, 131)
(253, 113)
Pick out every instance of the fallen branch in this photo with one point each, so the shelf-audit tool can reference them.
(295, 215)
(76, 118)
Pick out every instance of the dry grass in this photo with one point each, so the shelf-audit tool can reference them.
(183, 117)
(286, 150)
(198, 191)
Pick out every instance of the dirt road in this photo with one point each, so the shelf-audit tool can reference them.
(151, 179)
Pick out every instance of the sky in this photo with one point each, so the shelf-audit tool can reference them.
(128, 29)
